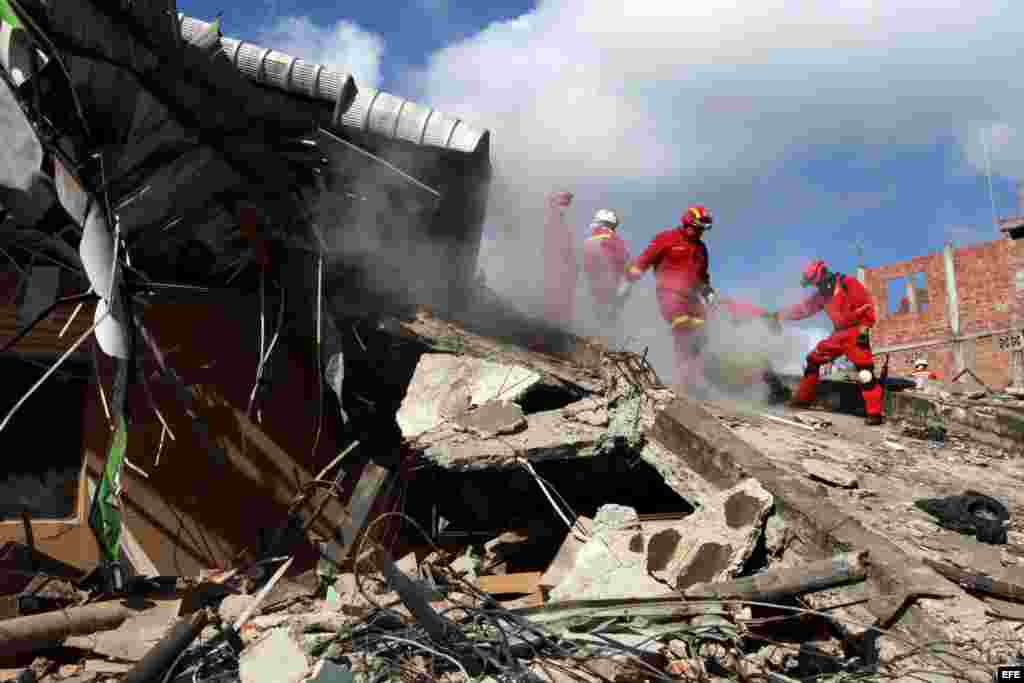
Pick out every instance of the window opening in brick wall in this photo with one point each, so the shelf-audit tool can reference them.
(42, 444)
(921, 290)
(896, 297)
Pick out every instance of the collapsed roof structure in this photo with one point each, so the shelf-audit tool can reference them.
(171, 150)
(176, 165)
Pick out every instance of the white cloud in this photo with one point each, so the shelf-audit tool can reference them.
(644, 104)
(653, 88)
(995, 146)
(344, 45)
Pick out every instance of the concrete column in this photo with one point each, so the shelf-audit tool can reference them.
(952, 301)
(953, 306)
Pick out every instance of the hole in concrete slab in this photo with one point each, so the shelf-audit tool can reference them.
(543, 397)
(741, 510)
(480, 505)
(661, 549)
(710, 560)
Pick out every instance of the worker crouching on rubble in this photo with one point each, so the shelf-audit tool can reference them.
(852, 310)
(605, 257)
(680, 261)
(921, 373)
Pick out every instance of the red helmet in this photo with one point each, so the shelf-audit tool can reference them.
(814, 273)
(696, 216)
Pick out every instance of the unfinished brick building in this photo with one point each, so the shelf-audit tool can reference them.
(962, 308)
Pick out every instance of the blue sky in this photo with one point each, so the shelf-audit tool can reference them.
(805, 128)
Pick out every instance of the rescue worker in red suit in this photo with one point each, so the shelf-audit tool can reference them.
(560, 269)
(852, 310)
(605, 257)
(680, 261)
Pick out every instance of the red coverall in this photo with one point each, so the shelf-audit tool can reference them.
(852, 311)
(680, 262)
(559, 262)
(604, 260)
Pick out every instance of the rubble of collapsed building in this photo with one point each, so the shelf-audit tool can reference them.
(259, 474)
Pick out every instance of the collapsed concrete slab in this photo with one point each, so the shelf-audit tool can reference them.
(612, 564)
(546, 436)
(714, 543)
(902, 589)
(445, 386)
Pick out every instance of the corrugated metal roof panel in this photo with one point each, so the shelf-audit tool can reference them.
(394, 117)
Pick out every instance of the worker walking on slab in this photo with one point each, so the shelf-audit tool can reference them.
(605, 257)
(852, 310)
(560, 270)
(680, 261)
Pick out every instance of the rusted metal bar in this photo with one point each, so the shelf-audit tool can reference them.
(774, 584)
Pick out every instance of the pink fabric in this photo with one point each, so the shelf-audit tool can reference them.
(559, 263)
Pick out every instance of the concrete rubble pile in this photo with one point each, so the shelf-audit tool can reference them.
(564, 516)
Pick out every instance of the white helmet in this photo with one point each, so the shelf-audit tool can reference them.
(606, 217)
(919, 361)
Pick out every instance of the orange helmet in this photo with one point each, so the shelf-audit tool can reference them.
(696, 216)
(814, 273)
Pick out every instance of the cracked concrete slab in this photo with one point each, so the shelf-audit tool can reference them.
(715, 542)
(547, 436)
(612, 564)
(491, 419)
(444, 386)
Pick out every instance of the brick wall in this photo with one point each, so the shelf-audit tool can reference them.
(990, 300)
(906, 328)
(983, 286)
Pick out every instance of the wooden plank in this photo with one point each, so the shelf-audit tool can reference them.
(535, 599)
(504, 584)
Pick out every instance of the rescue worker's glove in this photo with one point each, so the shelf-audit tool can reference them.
(624, 290)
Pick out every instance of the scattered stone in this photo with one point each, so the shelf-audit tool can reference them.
(276, 657)
(830, 474)
(492, 419)
(232, 606)
(591, 411)
(408, 565)
(895, 445)
(326, 671)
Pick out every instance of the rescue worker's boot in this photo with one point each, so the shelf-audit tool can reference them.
(871, 392)
(807, 391)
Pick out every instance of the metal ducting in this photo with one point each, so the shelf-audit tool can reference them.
(397, 118)
(279, 70)
(365, 109)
